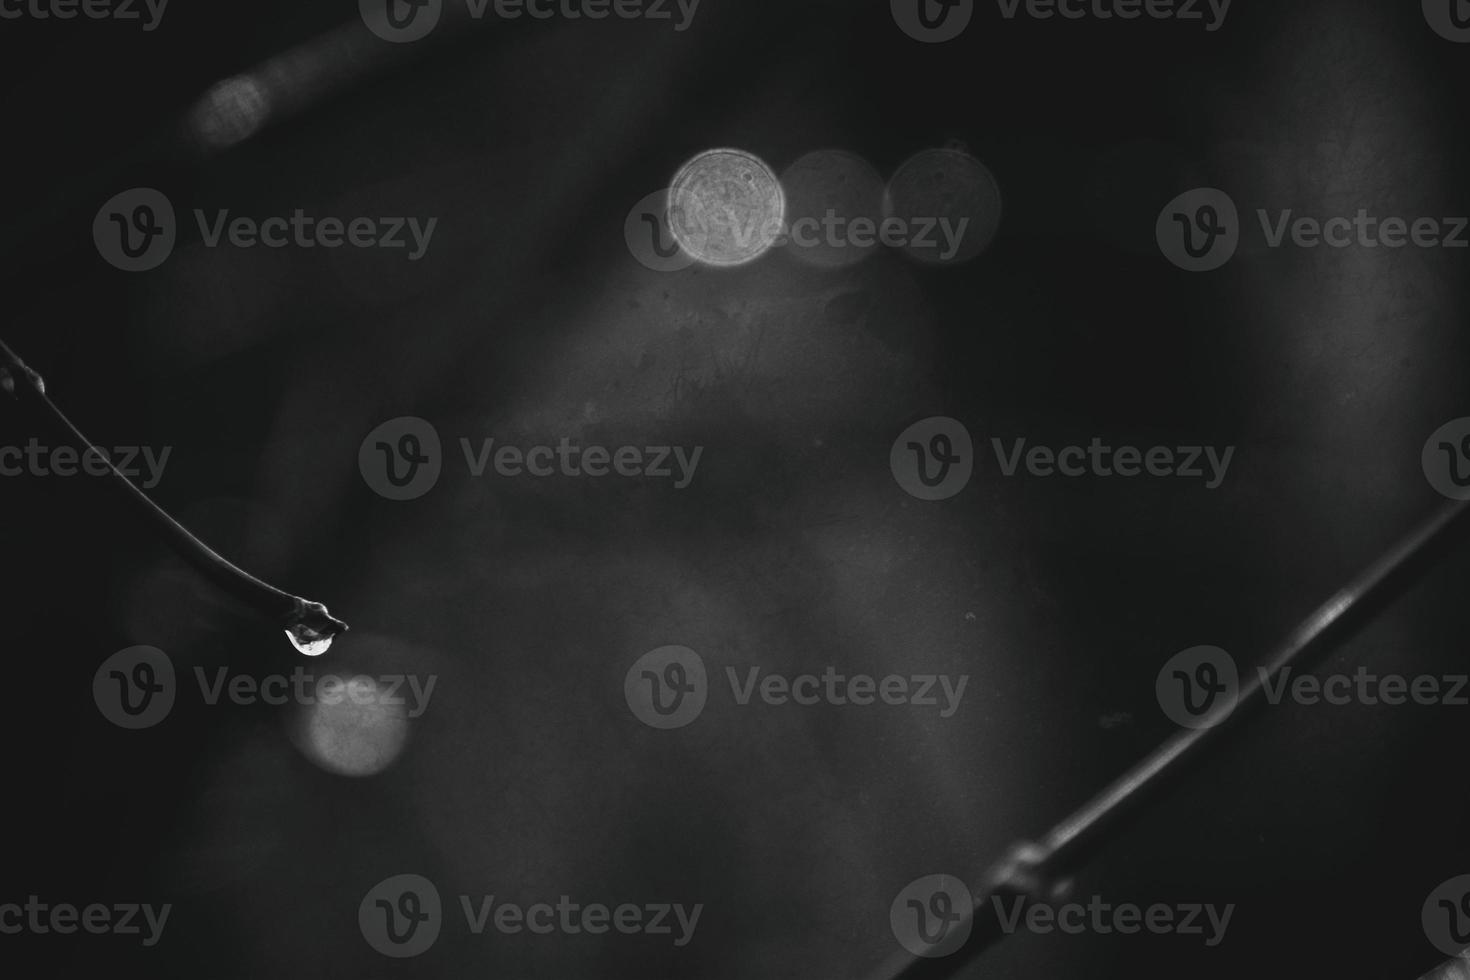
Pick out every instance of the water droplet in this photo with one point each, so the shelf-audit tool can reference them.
(312, 629)
(309, 641)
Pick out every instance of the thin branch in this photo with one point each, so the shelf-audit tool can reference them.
(1033, 872)
(309, 625)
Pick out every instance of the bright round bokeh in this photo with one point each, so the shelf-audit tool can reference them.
(726, 208)
(356, 727)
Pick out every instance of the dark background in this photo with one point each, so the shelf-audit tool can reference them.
(794, 549)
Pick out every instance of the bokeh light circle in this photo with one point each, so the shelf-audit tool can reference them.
(726, 207)
(949, 201)
(357, 726)
(826, 192)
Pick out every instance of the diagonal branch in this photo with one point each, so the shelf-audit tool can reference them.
(310, 627)
(1033, 872)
